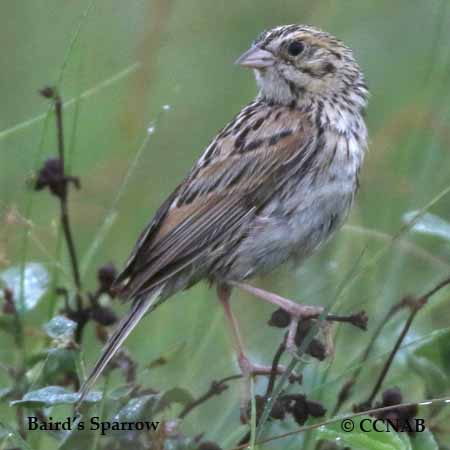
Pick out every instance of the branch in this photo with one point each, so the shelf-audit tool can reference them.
(53, 176)
(216, 388)
(416, 305)
(345, 391)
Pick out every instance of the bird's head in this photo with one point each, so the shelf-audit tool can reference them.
(295, 63)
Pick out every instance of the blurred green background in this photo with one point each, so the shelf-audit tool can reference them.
(121, 62)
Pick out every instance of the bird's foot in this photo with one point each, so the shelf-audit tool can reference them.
(297, 313)
(250, 369)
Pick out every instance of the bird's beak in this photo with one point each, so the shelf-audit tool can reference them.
(256, 58)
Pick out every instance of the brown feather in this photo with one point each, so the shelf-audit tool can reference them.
(245, 181)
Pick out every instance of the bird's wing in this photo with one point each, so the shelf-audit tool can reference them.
(241, 169)
(234, 177)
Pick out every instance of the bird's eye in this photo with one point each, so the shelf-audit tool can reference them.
(295, 48)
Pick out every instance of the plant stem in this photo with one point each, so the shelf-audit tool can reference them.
(65, 221)
(62, 195)
(345, 391)
(216, 388)
(416, 306)
(394, 351)
(274, 369)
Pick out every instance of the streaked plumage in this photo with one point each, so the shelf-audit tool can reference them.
(272, 186)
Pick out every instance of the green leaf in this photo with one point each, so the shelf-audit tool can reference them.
(59, 362)
(13, 436)
(78, 439)
(404, 437)
(424, 441)
(121, 391)
(175, 395)
(54, 395)
(435, 349)
(428, 224)
(5, 392)
(360, 440)
(51, 365)
(138, 408)
(35, 284)
(436, 380)
(35, 358)
(60, 327)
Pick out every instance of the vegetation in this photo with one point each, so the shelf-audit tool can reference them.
(143, 87)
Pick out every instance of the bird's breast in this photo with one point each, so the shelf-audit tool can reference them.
(305, 212)
(321, 200)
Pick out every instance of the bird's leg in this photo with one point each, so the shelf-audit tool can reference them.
(295, 310)
(248, 368)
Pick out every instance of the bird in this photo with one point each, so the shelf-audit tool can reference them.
(272, 186)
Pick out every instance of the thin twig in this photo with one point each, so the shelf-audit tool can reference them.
(216, 388)
(345, 391)
(271, 383)
(21, 422)
(65, 221)
(416, 306)
(437, 288)
(53, 175)
(274, 370)
(391, 357)
(358, 320)
(59, 128)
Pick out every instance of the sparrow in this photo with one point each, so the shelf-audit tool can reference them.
(271, 187)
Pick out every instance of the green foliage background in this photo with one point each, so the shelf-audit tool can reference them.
(122, 62)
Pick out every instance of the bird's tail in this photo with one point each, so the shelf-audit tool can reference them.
(124, 328)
